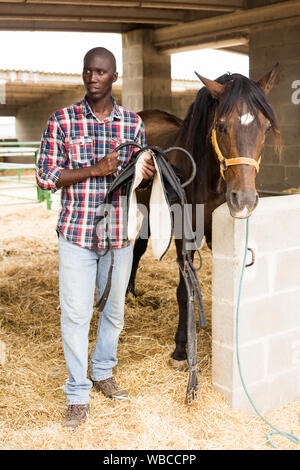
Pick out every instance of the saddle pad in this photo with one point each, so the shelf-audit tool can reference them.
(159, 209)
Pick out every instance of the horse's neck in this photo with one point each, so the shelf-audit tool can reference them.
(215, 184)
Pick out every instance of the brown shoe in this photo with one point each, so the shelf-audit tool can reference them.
(110, 389)
(76, 415)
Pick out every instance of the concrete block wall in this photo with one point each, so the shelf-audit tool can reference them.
(32, 119)
(181, 102)
(269, 318)
(280, 43)
(146, 73)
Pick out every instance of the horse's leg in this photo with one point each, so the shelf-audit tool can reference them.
(179, 355)
(139, 249)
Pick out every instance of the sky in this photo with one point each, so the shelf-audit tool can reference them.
(63, 52)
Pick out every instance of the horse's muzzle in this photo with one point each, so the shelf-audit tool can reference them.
(241, 204)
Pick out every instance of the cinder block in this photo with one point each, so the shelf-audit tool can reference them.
(268, 316)
(292, 176)
(134, 86)
(267, 37)
(291, 156)
(287, 54)
(270, 156)
(266, 47)
(223, 242)
(268, 234)
(157, 102)
(258, 56)
(292, 34)
(289, 134)
(288, 270)
(257, 278)
(291, 114)
(223, 365)
(289, 73)
(142, 60)
(272, 176)
(268, 395)
(269, 328)
(284, 351)
(32, 119)
(251, 362)
(223, 322)
(282, 94)
(152, 69)
(225, 369)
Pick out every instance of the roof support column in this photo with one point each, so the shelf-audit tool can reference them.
(146, 73)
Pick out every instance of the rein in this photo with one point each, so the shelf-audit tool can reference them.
(226, 162)
(186, 266)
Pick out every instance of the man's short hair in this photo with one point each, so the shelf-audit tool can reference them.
(102, 52)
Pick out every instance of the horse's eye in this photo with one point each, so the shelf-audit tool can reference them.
(222, 128)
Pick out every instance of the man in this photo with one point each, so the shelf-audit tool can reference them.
(77, 155)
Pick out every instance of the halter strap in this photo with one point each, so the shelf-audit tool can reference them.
(226, 162)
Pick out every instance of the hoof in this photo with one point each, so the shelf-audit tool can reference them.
(130, 290)
(178, 365)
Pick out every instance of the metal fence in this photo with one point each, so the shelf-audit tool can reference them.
(17, 179)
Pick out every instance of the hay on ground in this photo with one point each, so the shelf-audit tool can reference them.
(33, 371)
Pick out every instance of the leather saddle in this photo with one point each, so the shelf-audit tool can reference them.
(166, 189)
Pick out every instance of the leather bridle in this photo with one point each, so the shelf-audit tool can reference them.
(226, 162)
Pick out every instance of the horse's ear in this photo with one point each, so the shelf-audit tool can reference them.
(267, 81)
(215, 89)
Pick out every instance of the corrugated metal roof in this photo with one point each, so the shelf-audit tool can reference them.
(37, 76)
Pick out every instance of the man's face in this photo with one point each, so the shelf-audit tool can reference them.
(98, 76)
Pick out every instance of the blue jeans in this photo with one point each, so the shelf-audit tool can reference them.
(79, 270)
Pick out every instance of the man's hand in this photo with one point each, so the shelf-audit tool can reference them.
(106, 166)
(148, 168)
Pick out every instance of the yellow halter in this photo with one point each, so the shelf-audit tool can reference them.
(226, 162)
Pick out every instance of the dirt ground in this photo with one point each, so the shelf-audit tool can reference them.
(32, 369)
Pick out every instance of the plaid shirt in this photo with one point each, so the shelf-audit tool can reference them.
(75, 138)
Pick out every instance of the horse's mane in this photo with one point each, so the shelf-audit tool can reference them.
(197, 124)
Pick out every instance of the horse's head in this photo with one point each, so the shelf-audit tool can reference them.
(242, 117)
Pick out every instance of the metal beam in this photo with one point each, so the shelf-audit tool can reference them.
(76, 19)
(200, 32)
(91, 14)
(206, 6)
(8, 110)
(242, 49)
(33, 25)
(175, 4)
(210, 42)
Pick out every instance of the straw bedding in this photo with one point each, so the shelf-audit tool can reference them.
(33, 372)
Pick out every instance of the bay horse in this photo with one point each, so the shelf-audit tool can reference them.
(224, 130)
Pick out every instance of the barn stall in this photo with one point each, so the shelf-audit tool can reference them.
(32, 364)
(33, 369)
